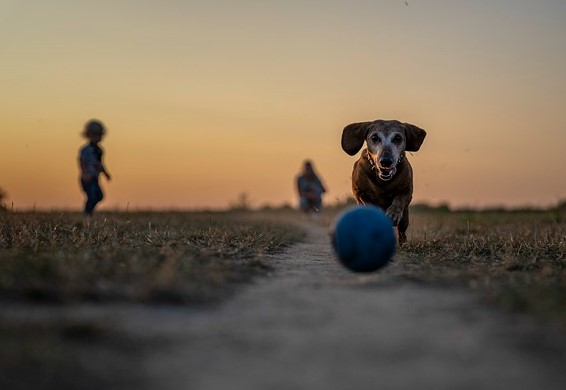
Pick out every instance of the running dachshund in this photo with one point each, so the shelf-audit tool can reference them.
(382, 175)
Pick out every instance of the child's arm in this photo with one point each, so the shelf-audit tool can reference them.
(105, 172)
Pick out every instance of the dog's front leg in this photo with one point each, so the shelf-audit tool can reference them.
(395, 211)
(358, 196)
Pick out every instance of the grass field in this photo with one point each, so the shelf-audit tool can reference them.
(53, 260)
(516, 259)
(141, 257)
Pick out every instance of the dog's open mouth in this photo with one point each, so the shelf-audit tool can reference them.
(386, 173)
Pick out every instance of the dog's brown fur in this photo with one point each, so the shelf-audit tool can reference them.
(385, 140)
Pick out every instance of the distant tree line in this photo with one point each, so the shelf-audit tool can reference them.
(560, 207)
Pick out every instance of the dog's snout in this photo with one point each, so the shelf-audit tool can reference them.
(386, 161)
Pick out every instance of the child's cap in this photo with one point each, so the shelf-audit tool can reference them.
(93, 127)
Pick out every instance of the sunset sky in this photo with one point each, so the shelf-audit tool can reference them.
(208, 99)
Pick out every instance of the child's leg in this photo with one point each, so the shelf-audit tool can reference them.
(304, 204)
(93, 195)
(317, 204)
(99, 193)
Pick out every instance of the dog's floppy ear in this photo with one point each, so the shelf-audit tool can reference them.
(414, 136)
(353, 137)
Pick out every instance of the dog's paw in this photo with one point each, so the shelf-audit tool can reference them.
(395, 214)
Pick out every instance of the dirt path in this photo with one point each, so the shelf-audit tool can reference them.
(313, 325)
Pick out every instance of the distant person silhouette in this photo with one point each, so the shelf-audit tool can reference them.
(90, 160)
(310, 189)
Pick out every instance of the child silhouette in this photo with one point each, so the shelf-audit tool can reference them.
(310, 189)
(90, 160)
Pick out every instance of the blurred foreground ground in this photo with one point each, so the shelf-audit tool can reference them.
(309, 324)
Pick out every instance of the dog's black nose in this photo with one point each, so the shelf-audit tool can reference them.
(386, 162)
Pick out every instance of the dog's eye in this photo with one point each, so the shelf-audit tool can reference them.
(397, 139)
(375, 138)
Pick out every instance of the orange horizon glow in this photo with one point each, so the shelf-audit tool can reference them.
(204, 101)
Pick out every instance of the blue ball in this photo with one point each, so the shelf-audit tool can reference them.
(363, 238)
